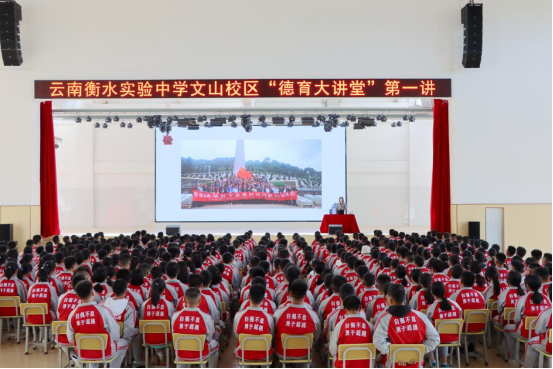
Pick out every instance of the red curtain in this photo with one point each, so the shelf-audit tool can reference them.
(440, 202)
(49, 218)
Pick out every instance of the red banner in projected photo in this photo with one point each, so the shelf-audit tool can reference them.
(217, 88)
(198, 196)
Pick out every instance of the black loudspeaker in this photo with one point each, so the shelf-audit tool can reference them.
(10, 41)
(471, 17)
(6, 232)
(172, 230)
(333, 228)
(474, 230)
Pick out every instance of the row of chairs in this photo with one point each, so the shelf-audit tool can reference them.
(443, 326)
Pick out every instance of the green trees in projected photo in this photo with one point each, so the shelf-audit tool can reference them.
(275, 169)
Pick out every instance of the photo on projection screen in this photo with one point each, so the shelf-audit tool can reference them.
(224, 174)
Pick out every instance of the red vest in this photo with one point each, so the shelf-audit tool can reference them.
(454, 313)
(87, 319)
(8, 288)
(191, 322)
(354, 330)
(410, 329)
(68, 302)
(40, 293)
(159, 312)
(295, 320)
(451, 287)
(531, 309)
(470, 299)
(253, 322)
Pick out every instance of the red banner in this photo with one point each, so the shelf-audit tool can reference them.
(243, 196)
(217, 88)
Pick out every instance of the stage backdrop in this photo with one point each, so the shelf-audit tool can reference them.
(270, 174)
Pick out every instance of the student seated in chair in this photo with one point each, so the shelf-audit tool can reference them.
(124, 312)
(353, 329)
(443, 308)
(297, 318)
(191, 320)
(89, 318)
(402, 325)
(43, 292)
(539, 341)
(253, 320)
(529, 305)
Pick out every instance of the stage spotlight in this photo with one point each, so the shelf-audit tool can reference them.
(351, 118)
(233, 124)
(150, 122)
(108, 119)
(378, 117)
(122, 125)
(405, 117)
(393, 124)
(278, 120)
(194, 127)
(129, 125)
(208, 124)
(175, 118)
(162, 127)
(138, 119)
(290, 124)
(307, 121)
(263, 121)
(169, 119)
(383, 118)
(327, 126)
(88, 118)
(185, 122)
(344, 124)
(231, 118)
(411, 118)
(105, 125)
(202, 118)
(333, 119)
(96, 125)
(246, 122)
(116, 118)
(358, 126)
(78, 120)
(321, 118)
(399, 124)
(291, 119)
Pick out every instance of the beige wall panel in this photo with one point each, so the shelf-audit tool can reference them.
(20, 217)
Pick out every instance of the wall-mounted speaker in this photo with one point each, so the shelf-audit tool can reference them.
(6, 232)
(10, 39)
(471, 17)
(474, 230)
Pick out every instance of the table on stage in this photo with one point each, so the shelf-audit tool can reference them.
(348, 222)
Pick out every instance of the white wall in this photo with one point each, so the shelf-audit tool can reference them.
(501, 113)
(106, 176)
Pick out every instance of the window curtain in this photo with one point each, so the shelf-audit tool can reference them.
(440, 203)
(49, 217)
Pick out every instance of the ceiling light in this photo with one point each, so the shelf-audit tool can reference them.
(383, 118)
(169, 119)
(333, 119)
(399, 124)
(358, 126)
(175, 117)
(393, 124)
(291, 119)
(247, 122)
(327, 127)
(105, 125)
(278, 120)
(411, 118)
(262, 119)
(344, 124)
(122, 125)
(108, 119)
(150, 121)
(405, 117)
(217, 122)
(185, 122)
(194, 127)
(129, 125)
(88, 118)
(116, 118)
(233, 124)
(138, 119)
(378, 117)
(366, 122)
(307, 121)
(78, 120)
(202, 118)
(351, 118)
(290, 124)
(96, 125)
